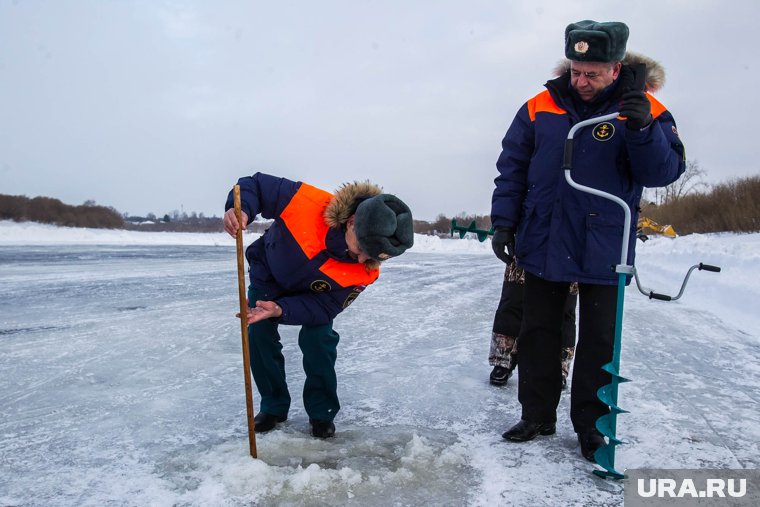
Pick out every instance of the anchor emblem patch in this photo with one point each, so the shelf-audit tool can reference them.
(604, 131)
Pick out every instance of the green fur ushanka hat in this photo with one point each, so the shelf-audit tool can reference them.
(590, 41)
(383, 226)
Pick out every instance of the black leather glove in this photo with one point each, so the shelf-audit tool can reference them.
(503, 244)
(637, 109)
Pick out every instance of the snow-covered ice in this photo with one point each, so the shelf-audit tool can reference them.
(122, 379)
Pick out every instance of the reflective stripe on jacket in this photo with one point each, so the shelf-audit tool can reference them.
(299, 262)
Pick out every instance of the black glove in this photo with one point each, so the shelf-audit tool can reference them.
(637, 109)
(627, 79)
(503, 244)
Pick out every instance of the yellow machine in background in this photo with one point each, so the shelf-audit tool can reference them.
(645, 227)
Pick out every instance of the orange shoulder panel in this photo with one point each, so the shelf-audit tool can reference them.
(543, 103)
(657, 107)
(303, 217)
(347, 274)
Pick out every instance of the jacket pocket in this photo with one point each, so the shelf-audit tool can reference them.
(603, 243)
(533, 231)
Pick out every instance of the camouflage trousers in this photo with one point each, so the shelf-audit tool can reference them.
(508, 318)
(503, 352)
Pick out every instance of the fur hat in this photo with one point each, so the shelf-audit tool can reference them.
(383, 226)
(590, 41)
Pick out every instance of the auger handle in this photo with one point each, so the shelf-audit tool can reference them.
(664, 297)
(567, 154)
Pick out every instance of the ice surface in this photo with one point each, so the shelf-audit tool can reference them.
(122, 379)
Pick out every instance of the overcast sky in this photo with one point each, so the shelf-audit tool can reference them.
(155, 106)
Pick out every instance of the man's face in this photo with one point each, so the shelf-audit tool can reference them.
(590, 78)
(354, 249)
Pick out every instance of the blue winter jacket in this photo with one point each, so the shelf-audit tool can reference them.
(564, 234)
(302, 260)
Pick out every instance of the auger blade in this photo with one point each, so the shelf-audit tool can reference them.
(608, 395)
(605, 458)
(606, 426)
(609, 474)
(610, 368)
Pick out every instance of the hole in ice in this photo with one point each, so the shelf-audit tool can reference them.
(371, 466)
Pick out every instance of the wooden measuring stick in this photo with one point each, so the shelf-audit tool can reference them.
(244, 325)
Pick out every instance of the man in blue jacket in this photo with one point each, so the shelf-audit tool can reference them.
(319, 254)
(560, 235)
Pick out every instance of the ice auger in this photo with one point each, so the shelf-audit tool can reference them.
(607, 424)
(482, 234)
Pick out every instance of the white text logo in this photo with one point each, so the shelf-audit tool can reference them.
(662, 488)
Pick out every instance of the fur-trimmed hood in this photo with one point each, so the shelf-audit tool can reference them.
(343, 204)
(655, 71)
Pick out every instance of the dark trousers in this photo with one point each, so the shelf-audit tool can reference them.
(319, 347)
(508, 317)
(540, 381)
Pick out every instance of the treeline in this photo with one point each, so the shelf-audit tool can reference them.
(726, 207)
(182, 222)
(732, 206)
(52, 211)
(48, 210)
(441, 226)
(178, 223)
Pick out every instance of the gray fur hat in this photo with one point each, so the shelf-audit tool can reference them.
(590, 41)
(384, 226)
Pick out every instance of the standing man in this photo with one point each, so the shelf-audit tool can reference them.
(560, 235)
(319, 254)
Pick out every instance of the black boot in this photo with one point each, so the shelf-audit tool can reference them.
(590, 441)
(322, 429)
(526, 430)
(265, 422)
(500, 375)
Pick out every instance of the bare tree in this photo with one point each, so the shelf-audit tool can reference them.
(689, 182)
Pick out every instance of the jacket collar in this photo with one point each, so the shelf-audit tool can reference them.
(568, 99)
(336, 246)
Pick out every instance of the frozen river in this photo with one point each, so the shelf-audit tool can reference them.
(122, 384)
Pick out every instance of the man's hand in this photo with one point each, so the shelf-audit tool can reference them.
(637, 109)
(231, 223)
(263, 310)
(503, 244)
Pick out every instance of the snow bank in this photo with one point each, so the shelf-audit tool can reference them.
(733, 293)
(32, 233)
